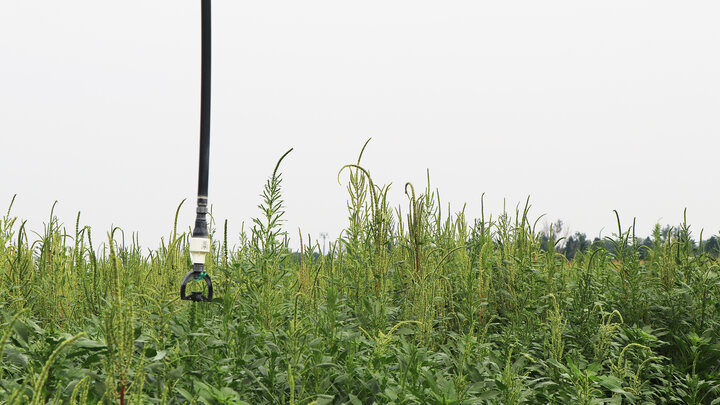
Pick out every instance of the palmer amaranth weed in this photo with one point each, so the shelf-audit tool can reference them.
(412, 304)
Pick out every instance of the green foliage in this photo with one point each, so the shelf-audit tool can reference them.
(412, 305)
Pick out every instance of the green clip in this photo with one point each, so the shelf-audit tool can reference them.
(200, 276)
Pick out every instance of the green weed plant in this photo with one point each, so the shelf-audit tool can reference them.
(413, 304)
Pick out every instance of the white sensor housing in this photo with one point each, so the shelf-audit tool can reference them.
(199, 247)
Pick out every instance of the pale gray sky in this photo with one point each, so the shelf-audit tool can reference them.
(584, 106)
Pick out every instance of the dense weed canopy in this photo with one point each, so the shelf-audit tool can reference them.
(412, 305)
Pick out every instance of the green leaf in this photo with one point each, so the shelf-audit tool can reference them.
(324, 399)
(16, 357)
(160, 355)
(22, 330)
(85, 343)
(177, 372)
(188, 397)
(226, 394)
(611, 382)
(391, 393)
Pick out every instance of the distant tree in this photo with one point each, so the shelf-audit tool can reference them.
(575, 243)
(645, 247)
(578, 242)
(551, 233)
(712, 246)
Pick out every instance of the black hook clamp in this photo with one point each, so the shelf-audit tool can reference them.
(196, 274)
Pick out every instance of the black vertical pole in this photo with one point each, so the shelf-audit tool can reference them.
(200, 242)
(202, 202)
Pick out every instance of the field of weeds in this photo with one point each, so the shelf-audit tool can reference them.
(412, 305)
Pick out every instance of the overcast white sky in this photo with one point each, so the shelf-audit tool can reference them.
(584, 106)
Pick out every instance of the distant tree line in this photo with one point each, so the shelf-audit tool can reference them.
(570, 245)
